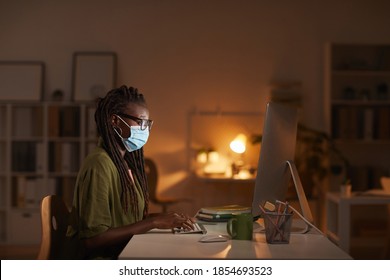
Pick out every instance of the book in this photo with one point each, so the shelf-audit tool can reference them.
(66, 154)
(53, 120)
(69, 122)
(368, 124)
(20, 195)
(383, 123)
(213, 217)
(23, 120)
(226, 209)
(349, 121)
(30, 199)
(91, 124)
(40, 157)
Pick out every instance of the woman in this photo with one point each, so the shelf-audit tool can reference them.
(111, 198)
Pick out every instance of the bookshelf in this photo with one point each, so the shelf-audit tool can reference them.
(42, 145)
(357, 93)
(357, 102)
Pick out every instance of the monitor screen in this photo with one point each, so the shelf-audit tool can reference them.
(276, 162)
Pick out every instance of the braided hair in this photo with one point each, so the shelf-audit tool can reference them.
(115, 102)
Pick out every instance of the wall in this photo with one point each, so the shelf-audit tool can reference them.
(192, 54)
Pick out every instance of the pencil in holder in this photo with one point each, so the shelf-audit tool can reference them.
(277, 227)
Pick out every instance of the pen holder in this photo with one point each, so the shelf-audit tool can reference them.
(277, 227)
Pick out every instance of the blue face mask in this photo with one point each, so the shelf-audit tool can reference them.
(137, 139)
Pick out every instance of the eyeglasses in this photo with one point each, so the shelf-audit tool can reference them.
(143, 123)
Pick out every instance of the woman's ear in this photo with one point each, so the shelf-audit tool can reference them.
(114, 120)
(115, 124)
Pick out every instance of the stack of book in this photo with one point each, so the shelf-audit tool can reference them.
(221, 213)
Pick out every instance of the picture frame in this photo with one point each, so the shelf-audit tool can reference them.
(93, 75)
(22, 80)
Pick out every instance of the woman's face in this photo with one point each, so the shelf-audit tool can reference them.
(131, 116)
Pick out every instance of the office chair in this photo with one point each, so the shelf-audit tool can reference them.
(54, 219)
(385, 184)
(152, 176)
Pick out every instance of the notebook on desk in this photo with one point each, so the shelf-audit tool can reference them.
(221, 213)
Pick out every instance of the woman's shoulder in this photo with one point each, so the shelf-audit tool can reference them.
(97, 171)
(98, 157)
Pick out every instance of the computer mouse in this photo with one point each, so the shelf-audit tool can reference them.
(213, 238)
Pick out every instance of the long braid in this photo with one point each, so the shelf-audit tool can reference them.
(116, 102)
(136, 163)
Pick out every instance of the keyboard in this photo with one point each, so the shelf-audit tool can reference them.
(198, 228)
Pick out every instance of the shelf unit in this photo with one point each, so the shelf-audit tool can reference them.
(42, 145)
(357, 102)
(357, 95)
(339, 222)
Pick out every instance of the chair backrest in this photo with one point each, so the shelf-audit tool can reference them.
(152, 176)
(55, 219)
(385, 183)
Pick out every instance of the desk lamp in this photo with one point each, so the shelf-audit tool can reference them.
(238, 145)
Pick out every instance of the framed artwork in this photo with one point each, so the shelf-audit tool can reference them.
(21, 80)
(94, 74)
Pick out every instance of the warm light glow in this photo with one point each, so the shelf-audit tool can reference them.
(201, 157)
(243, 174)
(215, 168)
(213, 156)
(238, 145)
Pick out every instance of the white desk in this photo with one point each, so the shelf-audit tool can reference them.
(186, 246)
(338, 210)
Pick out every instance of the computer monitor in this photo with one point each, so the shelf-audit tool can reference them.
(276, 162)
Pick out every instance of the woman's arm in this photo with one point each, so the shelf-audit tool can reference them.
(121, 235)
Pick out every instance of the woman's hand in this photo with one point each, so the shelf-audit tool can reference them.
(120, 236)
(173, 220)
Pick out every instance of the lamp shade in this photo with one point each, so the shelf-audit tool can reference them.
(238, 145)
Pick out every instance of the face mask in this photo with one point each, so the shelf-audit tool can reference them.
(137, 139)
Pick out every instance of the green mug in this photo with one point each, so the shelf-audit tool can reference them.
(240, 226)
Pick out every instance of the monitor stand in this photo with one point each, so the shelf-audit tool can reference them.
(306, 212)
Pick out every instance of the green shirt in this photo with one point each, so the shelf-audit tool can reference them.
(97, 199)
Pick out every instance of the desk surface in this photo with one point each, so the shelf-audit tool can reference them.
(165, 245)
